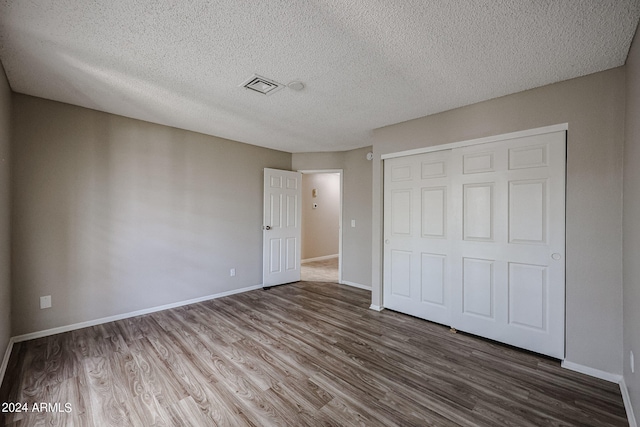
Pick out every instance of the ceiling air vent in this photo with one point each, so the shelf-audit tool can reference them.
(261, 85)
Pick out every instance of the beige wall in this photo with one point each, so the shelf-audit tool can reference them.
(113, 215)
(631, 264)
(356, 241)
(5, 270)
(356, 204)
(320, 226)
(593, 106)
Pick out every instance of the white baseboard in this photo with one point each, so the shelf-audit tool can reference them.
(355, 285)
(375, 307)
(627, 404)
(5, 359)
(320, 258)
(102, 320)
(597, 373)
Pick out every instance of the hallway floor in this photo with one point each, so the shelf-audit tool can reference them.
(320, 271)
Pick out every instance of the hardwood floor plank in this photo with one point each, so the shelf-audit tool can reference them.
(183, 365)
(343, 414)
(558, 408)
(150, 412)
(69, 392)
(140, 401)
(156, 375)
(305, 354)
(501, 416)
(187, 413)
(267, 342)
(106, 397)
(225, 409)
(306, 395)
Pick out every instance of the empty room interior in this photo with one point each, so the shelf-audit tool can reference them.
(319, 213)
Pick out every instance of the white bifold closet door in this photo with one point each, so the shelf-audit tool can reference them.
(474, 238)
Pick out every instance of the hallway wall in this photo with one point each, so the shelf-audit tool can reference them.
(320, 225)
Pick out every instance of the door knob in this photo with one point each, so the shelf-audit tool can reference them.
(556, 256)
(267, 227)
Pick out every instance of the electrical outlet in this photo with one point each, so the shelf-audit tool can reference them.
(45, 302)
(353, 223)
(632, 362)
(232, 272)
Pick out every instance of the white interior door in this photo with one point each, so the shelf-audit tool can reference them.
(510, 269)
(418, 233)
(501, 264)
(281, 227)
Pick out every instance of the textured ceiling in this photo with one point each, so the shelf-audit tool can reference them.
(364, 63)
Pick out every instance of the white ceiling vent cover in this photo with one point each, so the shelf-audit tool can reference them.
(261, 85)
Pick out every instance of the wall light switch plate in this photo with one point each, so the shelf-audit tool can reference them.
(45, 302)
(353, 223)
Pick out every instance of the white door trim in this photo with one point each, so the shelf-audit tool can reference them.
(476, 141)
(340, 172)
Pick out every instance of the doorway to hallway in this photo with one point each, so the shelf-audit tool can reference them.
(321, 241)
(320, 271)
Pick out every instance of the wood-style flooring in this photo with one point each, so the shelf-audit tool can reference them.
(305, 354)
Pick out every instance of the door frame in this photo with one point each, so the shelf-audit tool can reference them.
(340, 173)
(477, 141)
